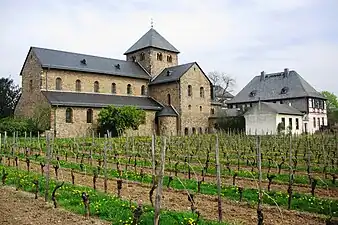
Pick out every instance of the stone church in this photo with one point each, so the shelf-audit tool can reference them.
(177, 97)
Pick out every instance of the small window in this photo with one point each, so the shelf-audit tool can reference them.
(202, 92)
(323, 124)
(290, 123)
(318, 119)
(41, 82)
(314, 122)
(194, 130)
(281, 102)
(189, 107)
(200, 130)
(30, 85)
(283, 121)
(78, 85)
(169, 58)
(129, 92)
(133, 58)
(169, 99)
(143, 90)
(186, 131)
(89, 116)
(69, 115)
(159, 56)
(113, 88)
(201, 108)
(212, 111)
(189, 90)
(206, 130)
(297, 124)
(96, 87)
(142, 56)
(58, 83)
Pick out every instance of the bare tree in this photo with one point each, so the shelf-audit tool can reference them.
(224, 82)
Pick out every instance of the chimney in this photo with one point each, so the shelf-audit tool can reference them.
(286, 72)
(262, 75)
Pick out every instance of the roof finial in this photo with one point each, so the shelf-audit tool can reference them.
(152, 23)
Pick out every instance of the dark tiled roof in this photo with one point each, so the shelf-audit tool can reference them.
(56, 59)
(99, 100)
(270, 88)
(277, 108)
(166, 111)
(220, 93)
(152, 39)
(174, 74)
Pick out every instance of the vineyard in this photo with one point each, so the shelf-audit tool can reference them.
(221, 178)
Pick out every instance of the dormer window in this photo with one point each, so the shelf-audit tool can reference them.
(159, 56)
(142, 56)
(83, 62)
(284, 90)
(117, 66)
(253, 93)
(169, 72)
(169, 58)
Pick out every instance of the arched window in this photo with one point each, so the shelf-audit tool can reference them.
(129, 92)
(186, 131)
(142, 56)
(113, 88)
(58, 83)
(206, 130)
(89, 116)
(212, 111)
(69, 115)
(30, 85)
(201, 108)
(194, 130)
(169, 58)
(159, 56)
(200, 130)
(143, 90)
(189, 90)
(169, 99)
(78, 85)
(202, 92)
(189, 107)
(96, 86)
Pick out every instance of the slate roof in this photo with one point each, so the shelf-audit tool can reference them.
(166, 111)
(220, 93)
(175, 73)
(271, 86)
(152, 39)
(56, 59)
(99, 100)
(277, 108)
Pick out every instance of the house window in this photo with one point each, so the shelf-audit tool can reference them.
(189, 107)
(314, 122)
(58, 83)
(142, 56)
(201, 92)
(89, 116)
(201, 108)
(283, 121)
(169, 58)
(206, 130)
(78, 85)
(310, 103)
(159, 56)
(129, 92)
(30, 85)
(169, 99)
(281, 102)
(113, 88)
(297, 124)
(318, 119)
(194, 130)
(200, 130)
(290, 123)
(323, 124)
(212, 111)
(186, 131)
(189, 90)
(143, 90)
(96, 86)
(41, 82)
(69, 115)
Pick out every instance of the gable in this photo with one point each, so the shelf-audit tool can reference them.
(196, 73)
(30, 55)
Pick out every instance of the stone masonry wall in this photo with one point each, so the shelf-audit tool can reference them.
(146, 129)
(194, 118)
(160, 93)
(87, 82)
(150, 63)
(31, 98)
(168, 125)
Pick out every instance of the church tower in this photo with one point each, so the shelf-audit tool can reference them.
(153, 52)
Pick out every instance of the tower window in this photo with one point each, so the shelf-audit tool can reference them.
(89, 116)
(159, 56)
(58, 83)
(186, 131)
(169, 58)
(143, 90)
(200, 130)
(189, 90)
(202, 92)
(30, 85)
(189, 107)
(113, 88)
(129, 92)
(169, 99)
(201, 108)
(78, 85)
(96, 86)
(212, 111)
(142, 56)
(69, 115)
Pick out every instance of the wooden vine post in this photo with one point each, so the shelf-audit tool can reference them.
(153, 158)
(49, 150)
(160, 184)
(219, 188)
(260, 195)
(290, 175)
(105, 163)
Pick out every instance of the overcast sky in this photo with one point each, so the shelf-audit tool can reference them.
(239, 37)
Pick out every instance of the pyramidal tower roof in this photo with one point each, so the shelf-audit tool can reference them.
(152, 39)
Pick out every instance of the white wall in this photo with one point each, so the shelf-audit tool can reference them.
(260, 124)
(287, 123)
(315, 113)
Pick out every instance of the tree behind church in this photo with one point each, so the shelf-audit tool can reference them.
(332, 107)
(118, 119)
